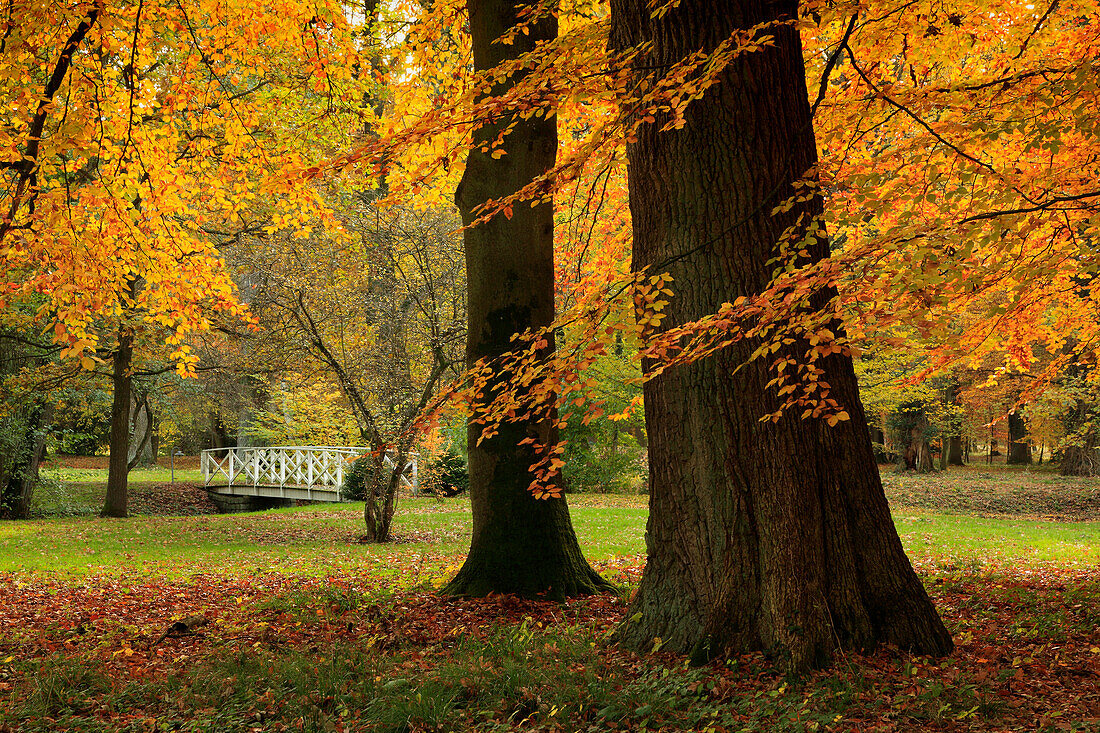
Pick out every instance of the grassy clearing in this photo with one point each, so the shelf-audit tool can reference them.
(986, 490)
(318, 539)
(324, 539)
(141, 475)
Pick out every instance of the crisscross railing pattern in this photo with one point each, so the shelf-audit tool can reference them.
(316, 470)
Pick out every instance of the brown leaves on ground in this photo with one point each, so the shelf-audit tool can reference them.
(1028, 654)
(996, 490)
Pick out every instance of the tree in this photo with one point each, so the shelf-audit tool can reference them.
(130, 132)
(374, 308)
(520, 544)
(773, 534)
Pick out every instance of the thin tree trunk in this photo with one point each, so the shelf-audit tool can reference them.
(141, 433)
(761, 536)
(520, 544)
(115, 504)
(1019, 452)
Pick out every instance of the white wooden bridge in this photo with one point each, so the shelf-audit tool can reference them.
(309, 472)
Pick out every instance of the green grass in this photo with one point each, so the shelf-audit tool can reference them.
(322, 539)
(991, 540)
(150, 475)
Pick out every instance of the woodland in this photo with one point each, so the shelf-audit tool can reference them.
(757, 340)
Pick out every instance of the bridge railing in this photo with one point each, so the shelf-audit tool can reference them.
(311, 467)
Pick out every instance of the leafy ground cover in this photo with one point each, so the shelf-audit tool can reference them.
(284, 621)
(998, 489)
(358, 653)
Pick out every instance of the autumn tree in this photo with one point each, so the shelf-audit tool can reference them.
(520, 544)
(131, 130)
(776, 534)
(374, 310)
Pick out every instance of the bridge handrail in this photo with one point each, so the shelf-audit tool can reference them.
(308, 466)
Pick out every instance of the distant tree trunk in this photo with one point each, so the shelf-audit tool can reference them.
(918, 453)
(1019, 451)
(140, 452)
(1080, 460)
(955, 450)
(520, 544)
(154, 437)
(1079, 452)
(1042, 445)
(761, 535)
(115, 504)
(878, 440)
(20, 474)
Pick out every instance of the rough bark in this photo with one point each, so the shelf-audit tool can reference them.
(1019, 451)
(520, 544)
(761, 536)
(115, 503)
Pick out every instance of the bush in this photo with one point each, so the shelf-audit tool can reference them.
(600, 459)
(354, 488)
(78, 444)
(450, 474)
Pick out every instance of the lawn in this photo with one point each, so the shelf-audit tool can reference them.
(302, 627)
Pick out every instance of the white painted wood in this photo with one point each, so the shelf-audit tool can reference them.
(291, 472)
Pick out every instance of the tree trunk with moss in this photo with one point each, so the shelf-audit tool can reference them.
(520, 544)
(761, 535)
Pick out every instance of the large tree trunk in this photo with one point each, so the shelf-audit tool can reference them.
(1079, 447)
(520, 544)
(761, 536)
(1019, 451)
(918, 453)
(118, 464)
